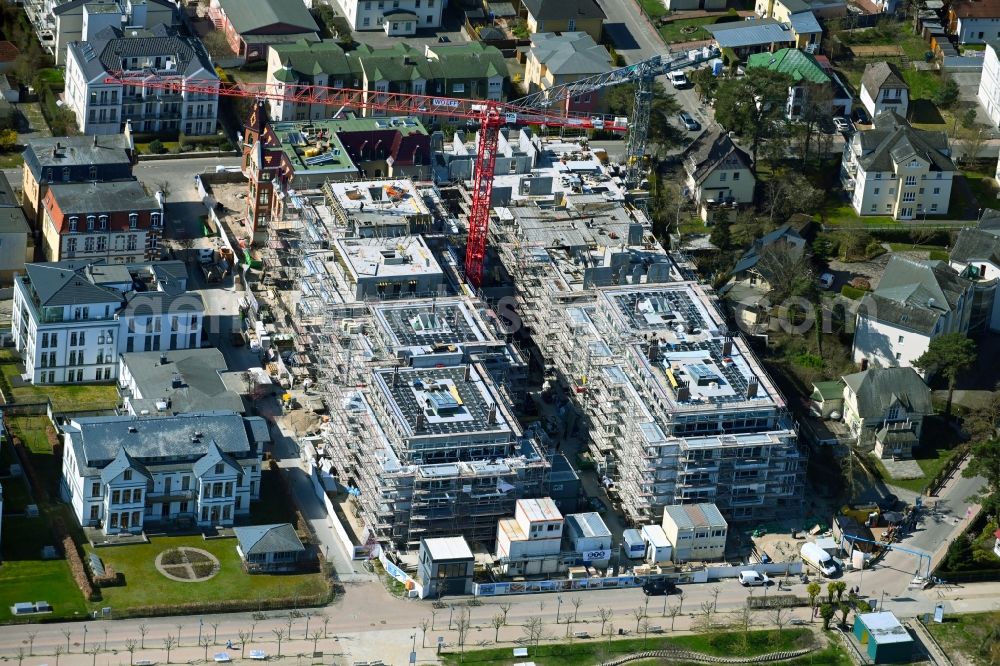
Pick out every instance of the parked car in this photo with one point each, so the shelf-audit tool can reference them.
(752, 578)
(656, 588)
(690, 123)
(826, 280)
(843, 125)
(679, 80)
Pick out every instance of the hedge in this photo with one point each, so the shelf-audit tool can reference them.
(76, 566)
(229, 606)
(850, 292)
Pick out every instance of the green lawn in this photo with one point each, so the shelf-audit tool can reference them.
(146, 586)
(31, 431)
(675, 30)
(966, 634)
(830, 656)
(907, 247)
(931, 457)
(24, 576)
(11, 160)
(984, 187)
(653, 8)
(66, 397)
(15, 495)
(170, 146)
(584, 653)
(839, 214)
(924, 84)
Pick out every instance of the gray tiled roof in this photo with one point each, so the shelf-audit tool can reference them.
(892, 139)
(201, 385)
(752, 256)
(12, 221)
(755, 32)
(213, 457)
(913, 294)
(122, 462)
(981, 243)
(564, 9)
(880, 75)
(570, 53)
(98, 439)
(107, 50)
(710, 150)
(877, 389)
(61, 151)
(119, 196)
(256, 16)
(65, 283)
(262, 539)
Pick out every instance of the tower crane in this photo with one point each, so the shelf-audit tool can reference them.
(491, 116)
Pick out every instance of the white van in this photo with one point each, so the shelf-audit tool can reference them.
(752, 579)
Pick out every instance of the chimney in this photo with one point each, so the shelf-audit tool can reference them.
(727, 346)
(752, 386)
(491, 415)
(683, 393)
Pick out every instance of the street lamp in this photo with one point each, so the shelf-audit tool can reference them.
(558, 607)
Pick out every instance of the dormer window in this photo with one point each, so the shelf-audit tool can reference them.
(65, 174)
(103, 219)
(91, 220)
(93, 173)
(72, 224)
(133, 220)
(154, 219)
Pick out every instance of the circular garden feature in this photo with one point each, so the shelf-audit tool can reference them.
(187, 565)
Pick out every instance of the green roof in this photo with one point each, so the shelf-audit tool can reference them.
(248, 16)
(398, 63)
(829, 390)
(797, 64)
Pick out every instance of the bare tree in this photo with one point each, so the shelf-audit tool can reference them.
(504, 608)
(105, 630)
(605, 614)
(32, 635)
(244, 637)
(463, 625)
(316, 635)
(143, 630)
(130, 645)
(673, 612)
(638, 613)
(680, 598)
(497, 621)
(59, 651)
(326, 623)
(645, 631)
(94, 651)
(533, 629)
(576, 606)
(179, 628)
(704, 619)
(205, 642)
(280, 635)
(253, 625)
(215, 632)
(425, 624)
(308, 618)
(744, 620)
(20, 655)
(67, 633)
(780, 612)
(433, 618)
(169, 643)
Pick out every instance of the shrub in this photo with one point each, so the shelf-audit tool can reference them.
(861, 283)
(852, 293)
(156, 147)
(806, 360)
(76, 566)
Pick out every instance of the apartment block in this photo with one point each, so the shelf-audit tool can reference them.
(72, 319)
(120, 473)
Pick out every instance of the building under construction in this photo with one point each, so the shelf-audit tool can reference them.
(675, 409)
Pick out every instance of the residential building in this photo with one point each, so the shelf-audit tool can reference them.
(718, 172)
(915, 302)
(564, 16)
(976, 257)
(556, 59)
(279, 156)
(696, 531)
(754, 35)
(407, 15)
(17, 244)
(471, 70)
(121, 472)
(826, 398)
(175, 382)
(784, 241)
(896, 170)
(269, 548)
(251, 26)
(116, 222)
(814, 90)
(885, 408)
(72, 319)
(388, 268)
(72, 159)
(433, 452)
(783, 9)
(989, 83)
(605, 324)
(883, 89)
(178, 62)
(590, 538)
(81, 20)
(974, 22)
(887, 640)
(446, 566)
(516, 154)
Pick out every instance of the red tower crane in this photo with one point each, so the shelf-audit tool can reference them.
(490, 115)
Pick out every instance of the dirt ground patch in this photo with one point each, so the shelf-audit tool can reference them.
(875, 50)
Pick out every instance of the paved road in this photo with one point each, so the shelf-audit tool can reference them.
(632, 35)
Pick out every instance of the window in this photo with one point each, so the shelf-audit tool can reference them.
(873, 208)
(911, 180)
(91, 220)
(937, 191)
(934, 206)
(366, 21)
(65, 174)
(72, 223)
(900, 339)
(909, 196)
(219, 468)
(128, 475)
(458, 87)
(876, 190)
(736, 175)
(878, 175)
(722, 177)
(116, 497)
(898, 355)
(93, 173)
(95, 490)
(88, 245)
(94, 512)
(72, 339)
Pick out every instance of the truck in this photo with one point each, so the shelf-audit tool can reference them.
(818, 558)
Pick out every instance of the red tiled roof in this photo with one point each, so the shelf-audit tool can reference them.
(976, 8)
(8, 52)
